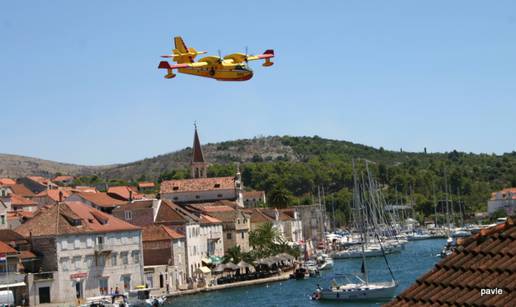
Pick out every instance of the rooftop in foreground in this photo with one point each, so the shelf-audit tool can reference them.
(486, 260)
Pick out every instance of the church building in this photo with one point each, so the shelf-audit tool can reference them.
(200, 188)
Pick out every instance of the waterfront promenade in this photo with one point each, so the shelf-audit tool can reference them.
(281, 277)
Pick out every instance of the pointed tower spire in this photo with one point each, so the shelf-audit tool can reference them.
(198, 165)
(197, 150)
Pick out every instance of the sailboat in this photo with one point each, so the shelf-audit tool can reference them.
(358, 286)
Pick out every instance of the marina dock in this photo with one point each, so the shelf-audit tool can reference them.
(283, 276)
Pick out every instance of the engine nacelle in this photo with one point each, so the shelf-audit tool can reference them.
(267, 63)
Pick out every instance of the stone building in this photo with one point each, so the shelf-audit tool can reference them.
(84, 253)
(236, 225)
(164, 258)
(504, 200)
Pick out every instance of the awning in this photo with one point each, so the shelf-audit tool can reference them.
(204, 270)
(219, 268)
(18, 284)
(206, 260)
(230, 266)
(243, 264)
(216, 259)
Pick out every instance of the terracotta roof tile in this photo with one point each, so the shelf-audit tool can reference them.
(170, 212)
(22, 190)
(159, 233)
(72, 218)
(6, 249)
(8, 235)
(485, 260)
(101, 199)
(20, 201)
(41, 180)
(206, 219)
(54, 194)
(27, 255)
(146, 185)
(62, 178)
(7, 181)
(198, 184)
(254, 194)
(124, 193)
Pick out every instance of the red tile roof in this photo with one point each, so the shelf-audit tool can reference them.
(72, 218)
(27, 255)
(159, 233)
(20, 201)
(170, 212)
(146, 185)
(505, 193)
(206, 219)
(124, 192)
(19, 215)
(54, 194)
(62, 178)
(486, 260)
(9, 235)
(219, 203)
(6, 249)
(22, 190)
(41, 180)
(208, 209)
(7, 181)
(229, 216)
(83, 188)
(254, 194)
(257, 216)
(101, 199)
(198, 184)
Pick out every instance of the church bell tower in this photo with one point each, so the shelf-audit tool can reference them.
(198, 166)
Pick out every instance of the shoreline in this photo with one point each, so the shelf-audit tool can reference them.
(281, 277)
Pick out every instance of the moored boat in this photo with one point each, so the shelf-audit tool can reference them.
(360, 290)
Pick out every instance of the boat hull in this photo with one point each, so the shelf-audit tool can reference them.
(370, 292)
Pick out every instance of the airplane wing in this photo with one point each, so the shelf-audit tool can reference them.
(166, 65)
(266, 55)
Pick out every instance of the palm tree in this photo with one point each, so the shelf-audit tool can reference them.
(264, 239)
(233, 254)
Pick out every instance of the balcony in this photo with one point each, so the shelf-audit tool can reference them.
(101, 248)
(43, 276)
(11, 278)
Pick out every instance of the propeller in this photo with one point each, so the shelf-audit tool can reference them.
(220, 56)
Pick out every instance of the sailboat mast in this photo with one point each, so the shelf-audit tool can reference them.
(447, 205)
(435, 205)
(357, 204)
(460, 208)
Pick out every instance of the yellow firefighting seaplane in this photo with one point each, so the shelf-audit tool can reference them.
(232, 67)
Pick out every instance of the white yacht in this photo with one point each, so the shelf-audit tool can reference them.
(140, 297)
(359, 290)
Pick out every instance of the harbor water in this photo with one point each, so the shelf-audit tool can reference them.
(417, 258)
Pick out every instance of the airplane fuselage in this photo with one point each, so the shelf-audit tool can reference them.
(220, 72)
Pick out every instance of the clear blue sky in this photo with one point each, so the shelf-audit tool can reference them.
(79, 82)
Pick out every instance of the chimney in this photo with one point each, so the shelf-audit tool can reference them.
(60, 196)
(130, 195)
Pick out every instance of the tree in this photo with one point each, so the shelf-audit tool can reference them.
(233, 254)
(264, 239)
(280, 197)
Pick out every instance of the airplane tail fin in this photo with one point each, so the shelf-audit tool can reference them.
(183, 54)
(180, 44)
